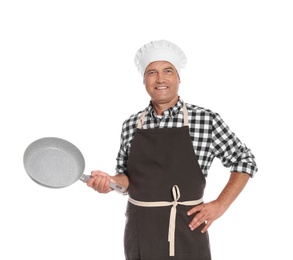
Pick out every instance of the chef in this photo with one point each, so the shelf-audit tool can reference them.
(165, 153)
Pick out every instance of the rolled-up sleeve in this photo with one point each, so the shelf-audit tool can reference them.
(230, 150)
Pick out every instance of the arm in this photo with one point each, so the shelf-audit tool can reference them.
(209, 212)
(234, 154)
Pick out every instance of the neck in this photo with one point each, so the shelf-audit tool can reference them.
(161, 107)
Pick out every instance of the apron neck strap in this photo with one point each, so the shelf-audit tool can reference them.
(142, 117)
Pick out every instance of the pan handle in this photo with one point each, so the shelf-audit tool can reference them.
(117, 187)
(113, 185)
(84, 177)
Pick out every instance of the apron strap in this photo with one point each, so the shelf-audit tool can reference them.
(172, 220)
(142, 118)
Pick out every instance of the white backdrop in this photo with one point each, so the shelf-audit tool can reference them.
(67, 70)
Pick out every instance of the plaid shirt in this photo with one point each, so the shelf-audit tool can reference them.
(210, 137)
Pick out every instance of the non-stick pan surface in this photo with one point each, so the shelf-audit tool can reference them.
(53, 162)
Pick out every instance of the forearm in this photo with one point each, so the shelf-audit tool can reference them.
(209, 212)
(233, 188)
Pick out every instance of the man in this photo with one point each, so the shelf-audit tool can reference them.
(163, 161)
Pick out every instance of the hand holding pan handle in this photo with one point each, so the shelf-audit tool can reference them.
(56, 163)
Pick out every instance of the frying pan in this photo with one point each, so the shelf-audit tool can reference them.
(56, 163)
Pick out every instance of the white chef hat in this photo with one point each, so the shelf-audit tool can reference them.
(159, 51)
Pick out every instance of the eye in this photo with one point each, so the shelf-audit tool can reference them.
(151, 72)
(169, 71)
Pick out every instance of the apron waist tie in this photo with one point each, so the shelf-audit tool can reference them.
(172, 221)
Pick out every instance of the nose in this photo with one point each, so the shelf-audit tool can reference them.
(160, 77)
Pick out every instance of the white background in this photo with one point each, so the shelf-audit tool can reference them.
(67, 70)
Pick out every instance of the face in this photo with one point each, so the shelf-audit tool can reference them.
(161, 81)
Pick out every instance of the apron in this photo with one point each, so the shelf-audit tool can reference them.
(165, 182)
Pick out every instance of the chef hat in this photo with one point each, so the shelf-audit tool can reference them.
(159, 51)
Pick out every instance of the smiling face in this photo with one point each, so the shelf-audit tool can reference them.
(161, 81)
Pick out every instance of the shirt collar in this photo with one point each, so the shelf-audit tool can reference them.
(172, 111)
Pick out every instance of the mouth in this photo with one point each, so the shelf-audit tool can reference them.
(161, 87)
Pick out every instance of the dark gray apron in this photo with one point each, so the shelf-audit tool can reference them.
(165, 182)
